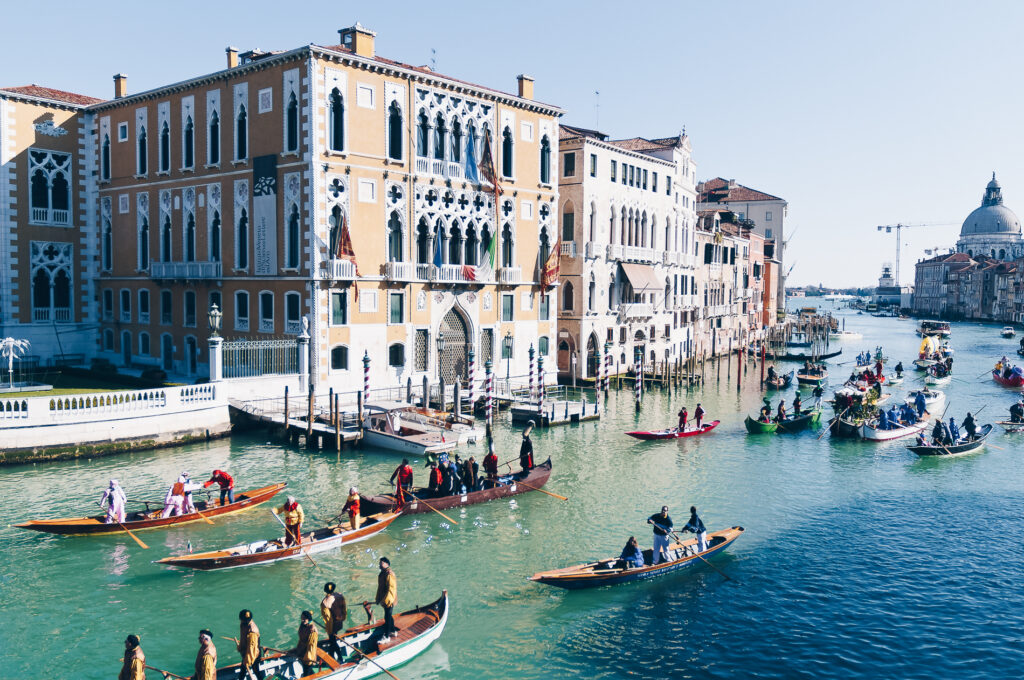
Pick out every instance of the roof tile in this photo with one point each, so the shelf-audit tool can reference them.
(39, 92)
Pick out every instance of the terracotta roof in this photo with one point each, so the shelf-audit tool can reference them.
(39, 92)
(721, 190)
(571, 132)
(641, 144)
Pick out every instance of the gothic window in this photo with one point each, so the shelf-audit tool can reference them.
(337, 121)
(144, 344)
(455, 244)
(471, 134)
(545, 160)
(457, 141)
(165, 148)
(165, 241)
(40, 191)
(485, 243)
(472, 244)
(335, 220)
(506, 153)
(49, 188)
(292, 261)
(241, 134)
(440, 133)
(568, 223)
(105, 158)
(108, 245)
(441, 242)
(623, 227)
(41, 295)
(213, 148)
(189, 142)
(422, 135)
(394, 132)
(567, 296)
(142, 153)
(291, 137)
(242, 241)
(395, 251)
(591, 295)
(611, 227)
(422, 242)
(190, 238)
(215, 237)
(643, 231)
(1002, 254)
(166, 307)
(59, 194)
(144, 244)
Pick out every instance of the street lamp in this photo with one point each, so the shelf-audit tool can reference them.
(215, 317)
(508, 355)
(440, 351)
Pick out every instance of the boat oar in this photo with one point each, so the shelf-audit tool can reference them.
(166, 674)
(431, 507)
(205, 518)
(537, 488)
(701, 558)
(358, 651)
(128, 531)
(833, 421)
(288, 532)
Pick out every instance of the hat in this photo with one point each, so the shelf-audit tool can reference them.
(206, 633)
(352, 491)
(133, 641)
(245, 615)
(329, 587)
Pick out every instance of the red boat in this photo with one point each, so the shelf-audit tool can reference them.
(1015, 379)
(674, 433)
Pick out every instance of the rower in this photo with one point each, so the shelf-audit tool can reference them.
(954, 431)
(698, 415)
(471, 473)
(352, 508)
(403, 474)
(249, 645)
(632, 556)
(115, 499)
(780, 414)
(175, 498)
(491, 468)
(1017, 411)
(938, 433)
(771, 374)
(206, 658)
(526, 449)
(696, 527)
(883, 420)
(818, 392)
(305, 650)
(435, 479)
(797, 404)
(970, 427)
(227, 485)
(894, 417)
(899, 369)
(920, 403)
(333, 610)
(662, 526)
(878, 369)
(134, 665)
(683, 415)
(387, 597)
(293, 516)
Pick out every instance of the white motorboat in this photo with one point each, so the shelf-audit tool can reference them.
(871, 433)
(845, 335)
(1008, 332)
(413, 431)
(932, 398)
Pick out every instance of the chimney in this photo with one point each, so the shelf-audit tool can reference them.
(358, 39)
(120, 85)
(525, 86)
(232, 53)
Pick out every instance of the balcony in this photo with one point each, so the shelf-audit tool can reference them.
(568, 249)
(510, 276)
(56, 314)
(340, 270)
(636, 310)
(630, 253)
(126, 316)
(592, 250)
(143, 317)
(266, 325)
(293, 327)
(452, 273)
(51, 216)
(186, 270)
(400, 271)
(439, 168)
(424, 271)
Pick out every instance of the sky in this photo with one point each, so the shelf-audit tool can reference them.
(858, 114)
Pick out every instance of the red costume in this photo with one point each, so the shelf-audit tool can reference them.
(225, 480)
(491, 465)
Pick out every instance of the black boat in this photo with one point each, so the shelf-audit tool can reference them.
(789, 356)
(965, 446)
(779, 382)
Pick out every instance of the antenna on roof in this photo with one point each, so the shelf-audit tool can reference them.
(597, 110)
(433, 59)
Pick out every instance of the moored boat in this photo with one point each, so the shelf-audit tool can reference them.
(135, 521)
(871, 433)
(403, 428)
(267, 552)
(508, 485)
(674, 433)
(845, 335)
(963, 446)
(613, 571)
(779, 382)
(755, 426)
(1015, 379)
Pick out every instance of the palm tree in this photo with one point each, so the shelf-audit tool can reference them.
(11, 348)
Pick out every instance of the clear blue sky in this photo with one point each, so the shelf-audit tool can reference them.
(858, 114)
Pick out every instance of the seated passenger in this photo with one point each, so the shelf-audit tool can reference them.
(632, 555)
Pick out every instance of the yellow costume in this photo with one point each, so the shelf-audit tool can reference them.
(206, 662)
(306, 649)
(249, 643)
(134, 667)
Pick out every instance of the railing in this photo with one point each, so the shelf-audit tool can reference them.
(510, 276)
(143, 317)
(424, 271)
(568, 249)
(452, 273)
(186, 270)
(439, 168)
(638, 254)
(266, 325)
(252, 358)
(341, 270)
(242, 324)
(41, 315)
(592, 250)
(50, 216)
(636, 310)
(126, 316)
(166, 318)
(614, 251)
(293, 327)
(400, 271)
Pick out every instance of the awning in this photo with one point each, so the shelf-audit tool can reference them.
(643, 278)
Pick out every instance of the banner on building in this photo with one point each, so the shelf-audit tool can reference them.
(264, 214)
(549, 276)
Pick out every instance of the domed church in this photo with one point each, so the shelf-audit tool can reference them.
(992, 230)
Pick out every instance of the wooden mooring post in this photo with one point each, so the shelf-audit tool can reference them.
(337, 422)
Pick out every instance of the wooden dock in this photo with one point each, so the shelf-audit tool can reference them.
(319, 428)
(555, 412)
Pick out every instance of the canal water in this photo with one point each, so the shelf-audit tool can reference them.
(859, 560)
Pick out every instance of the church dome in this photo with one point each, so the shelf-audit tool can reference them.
(992, 217)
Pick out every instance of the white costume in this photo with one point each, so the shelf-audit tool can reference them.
(179, 496)
(115, 499)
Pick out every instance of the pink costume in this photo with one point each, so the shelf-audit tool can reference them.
(115, 499)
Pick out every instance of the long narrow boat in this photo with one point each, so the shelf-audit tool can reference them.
(508, 485)
(675, 433)
(779, 382)
(796, 422)
(789, 356)
(964, 446)
(417, 629)
(814, 378)
(755, 426)
(924, 364)
(873, 434)
(932, 379)
(135, 521)
(613, 571)
(267, 552)
(1015, 379)
(1010, 426)
(846, 427)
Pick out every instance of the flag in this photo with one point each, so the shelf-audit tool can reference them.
(487, 166)
(344, 251)
(485, 270)
(438, 260)
(549, 276)
(471, 172)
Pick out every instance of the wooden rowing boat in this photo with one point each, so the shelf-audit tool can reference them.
(924, 364)
(674, 433)
(267, 552)
(755, 426)
(846, 427)
(965, 446)
(1010, 426)
(801, 421)
(417, 629)
(869, 432)
(613, 571)
(931, 379)
(813, 378)
(135, 521)
(508, 485)
(779, 382)
(932, 398)
(1015, 379)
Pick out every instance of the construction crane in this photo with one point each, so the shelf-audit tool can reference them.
(888, 228)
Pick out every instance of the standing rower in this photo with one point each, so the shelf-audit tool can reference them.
(662, 525)
(491, 468)
(352, 508)
(682, 419)
(206, 658)
(698, 415)
(175, 498)
(695, 526)
(387, 596)
(227, 485)
(115, 499)
(305, 650)
(134, 666)
(249, 645)
(402, 479)
(334, 610)
(293, 516)
(526, 449)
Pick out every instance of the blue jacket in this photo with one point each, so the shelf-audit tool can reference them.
(694, 525)
(919, 402)
(634, 558)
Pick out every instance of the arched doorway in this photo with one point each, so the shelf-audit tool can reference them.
(593, 357)
(566, 348)
(453, 357)
(167, 352)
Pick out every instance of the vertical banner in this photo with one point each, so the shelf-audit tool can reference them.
(264, 212)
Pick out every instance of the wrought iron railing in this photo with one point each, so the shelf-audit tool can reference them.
(252, 358)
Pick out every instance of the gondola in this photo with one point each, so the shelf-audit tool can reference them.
(846, 427)
(267, 552)
(613, 571)
(508, 485)
(1015, 379)
(755, 426)
(871, 433)
(964, 446)
(790, 356)
(779, 382)
(1010, 426)
(417, 629)
(674, 433)
(801, 421)
(135, 521)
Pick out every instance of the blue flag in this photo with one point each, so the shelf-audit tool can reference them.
(471, 172)
(437, 247)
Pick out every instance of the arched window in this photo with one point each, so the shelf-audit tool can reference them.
(422, 242)
(108, 245)
(567, 296)
(144, 349)
(292, 261)
(611, 227)
(507, 245)
(213, 139)
(334, 239)
(144, 244)
(472, 246)
(242, 241)
(142, 153)
(337, 121)
(506, 153)
(339, 358)
(456, 141)
(441, 242)
(165, 241)
(643, 231)
(545, 160)
(623, 226)
(471, 134)
(108, 340)
(215, 237)
(190, 238)
(59, 195)
(440, 135)
(591, 295)
(455, 244)
(188, 142)
(395, 250)
(40, 190)
(41, 295)
(422, 135)
(1002, 254)
(105, 158)
(241, 134)
(394, 132)
(611, 295)
(165, 148)
(291, 124)
(485, 244)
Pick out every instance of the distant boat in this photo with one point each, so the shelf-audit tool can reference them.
(1008, 332)
(845, 335)
(927, 327)
(964, 446)
(1015, 379)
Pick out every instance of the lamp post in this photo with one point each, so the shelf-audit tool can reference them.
(508, 356)
(440, 352)
(216, 358)
(215, 317)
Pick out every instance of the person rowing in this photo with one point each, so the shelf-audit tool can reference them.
(662, 527)
(696, 527)
(115, 499)
(899, 369)
(681, 427)
(970, 427)
(134, 663)
(305, 650)
(1017, 412)
(293, 517)
(698, 415)
(248, 645)
(333, 610)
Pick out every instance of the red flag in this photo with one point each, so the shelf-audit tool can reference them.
(549, 276)
(344, 251)
(486, 165)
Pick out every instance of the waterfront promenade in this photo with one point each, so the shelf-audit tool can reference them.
(859, 560)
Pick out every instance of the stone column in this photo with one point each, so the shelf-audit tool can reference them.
(216, 358)
(302, 342)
